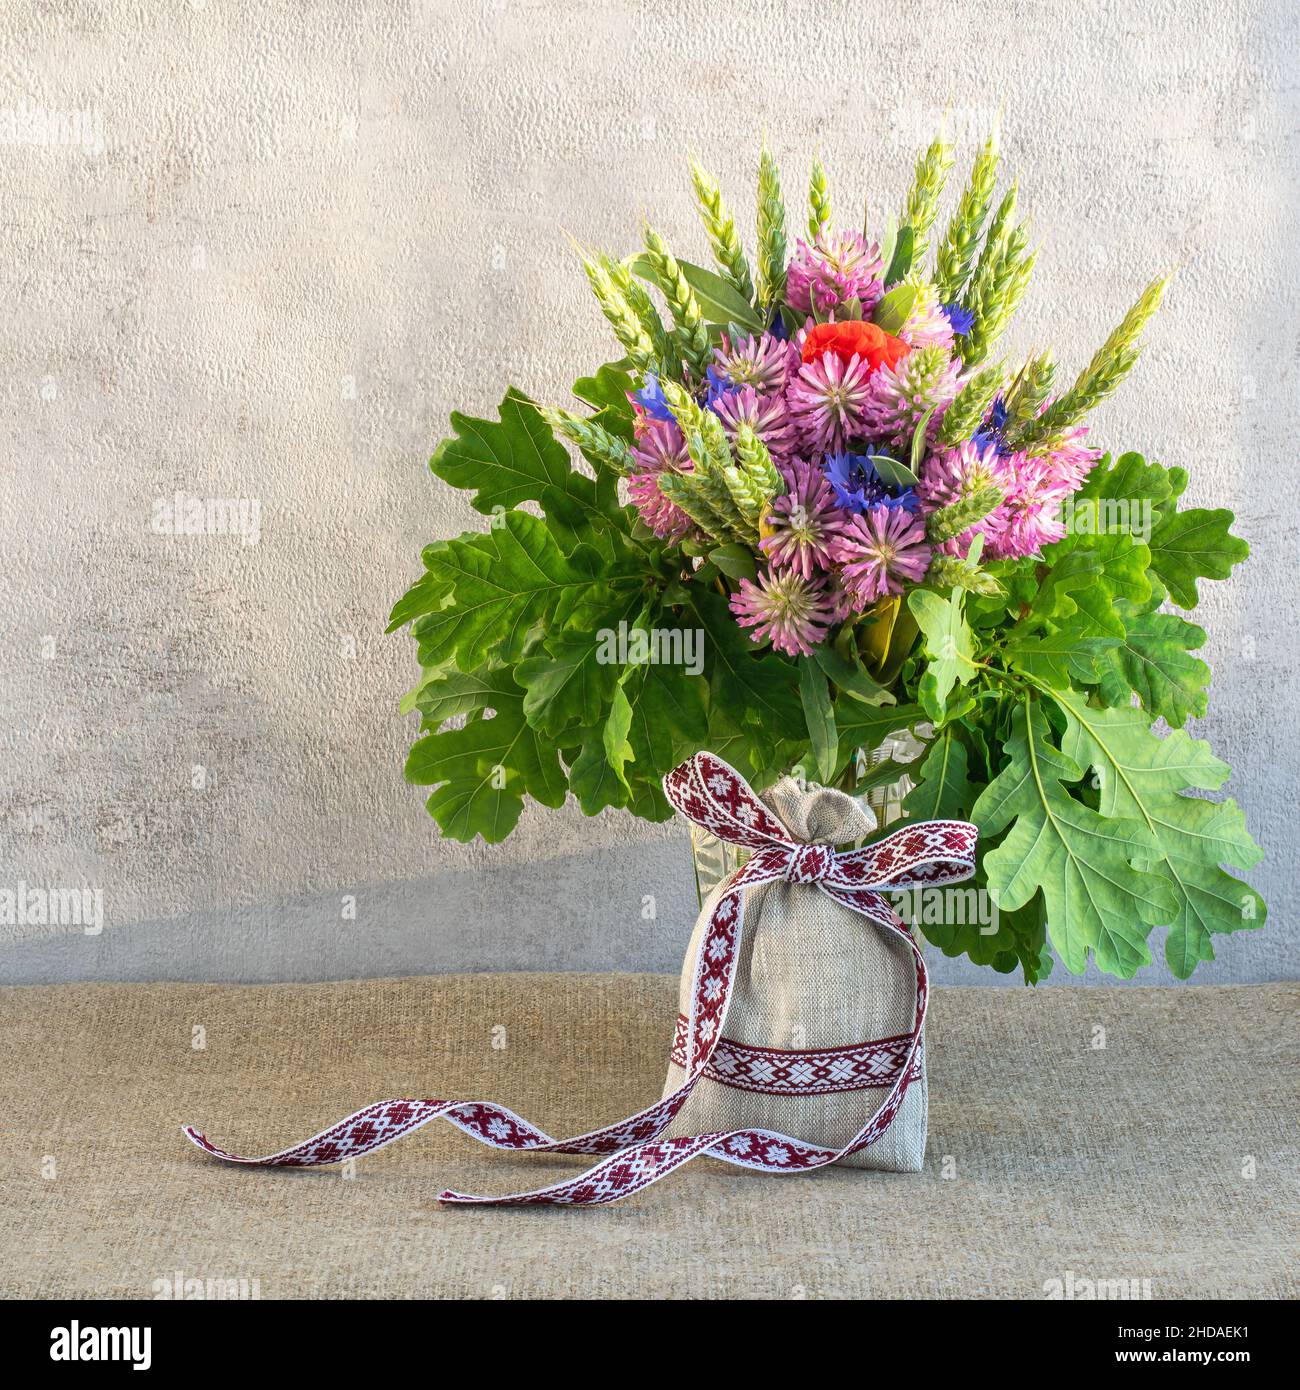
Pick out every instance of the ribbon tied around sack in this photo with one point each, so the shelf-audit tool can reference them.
(715, 797)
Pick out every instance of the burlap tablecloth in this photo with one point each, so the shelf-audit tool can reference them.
(1167, 1155)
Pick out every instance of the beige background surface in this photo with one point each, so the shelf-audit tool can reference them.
(290, 238)
(1162, 1164)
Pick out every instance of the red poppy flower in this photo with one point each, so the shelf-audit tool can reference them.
(868, 341)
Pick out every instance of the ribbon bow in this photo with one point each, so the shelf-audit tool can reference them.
(718, 799)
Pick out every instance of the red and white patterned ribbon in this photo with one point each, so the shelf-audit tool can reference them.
(717, 798)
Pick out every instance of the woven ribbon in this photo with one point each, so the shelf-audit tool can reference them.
(715, 797)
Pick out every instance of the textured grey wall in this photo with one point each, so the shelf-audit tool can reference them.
(259, 250)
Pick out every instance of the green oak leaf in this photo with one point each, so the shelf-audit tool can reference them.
(1083, 863)
(508, 461)
(1065, 590)
(575, 676)
(429, 594)
(667, 721)
(483, 770)
(1122, 569)
(944, 791)
(1193, 544)
(1154, 661)
(506, 581)
(591, 778)
(1066, 654)
(759, 690)
(948, 644)
(618, 751)
(608, 391)
(1142, 777)
(444, 692)
(1129, 478)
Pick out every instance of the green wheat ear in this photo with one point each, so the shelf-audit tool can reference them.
(964, 416)
(692, 335)
(720, 228)
(950, 521)
(593, 439)
(771, 234)
(627, 326)
(819, 200)
(956, 254)
(922, 205)
(639, 301)
(1030, 388)
(1110, 364)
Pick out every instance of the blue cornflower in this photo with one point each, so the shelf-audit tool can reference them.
(651, 399)
(857, 485)
(853, 480)
(962, 320)
(990, 434)
(718, 386)
(906, 501)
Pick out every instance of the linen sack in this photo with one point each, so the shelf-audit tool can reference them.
(811, 975)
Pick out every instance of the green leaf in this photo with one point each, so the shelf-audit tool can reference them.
(892, 311)
(758, 689)
(428, 594)
(898, 257)
(1153, 661)
(1060, 657)
(867, 726)
(669, 721)
(1143, 777)
(944, 791)
(1191, 545)
(618, 751)
(1079, 606)
(882, 774)
(1129, 479)
(850, 676)
(719, 301)
(608, 391)
(891, 471)
(820, 719)
(1122, 565)
(443, 694)
(1084, 863)
(736, 561)
(571, 681)
(505, 582)
(592, 780)
(483, 770)
(919, 438)
(516, 459)
(947, 643)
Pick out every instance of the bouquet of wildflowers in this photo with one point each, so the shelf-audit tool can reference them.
(816, 507)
